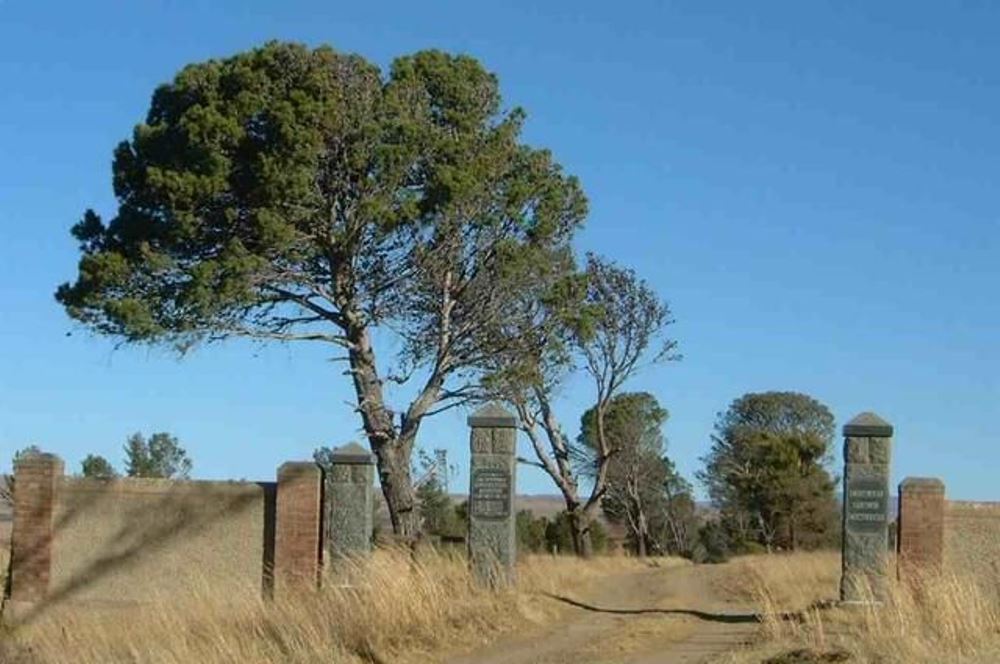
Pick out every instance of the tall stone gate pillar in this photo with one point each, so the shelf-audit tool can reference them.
(492, 536)
(867, 451)
(350, 509)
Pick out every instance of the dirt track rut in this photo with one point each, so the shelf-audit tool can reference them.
(655, 616)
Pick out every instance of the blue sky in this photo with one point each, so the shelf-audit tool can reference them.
(812, 186)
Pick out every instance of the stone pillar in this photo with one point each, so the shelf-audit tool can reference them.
(36, 487)
(492, 535)
(867, 449)
(920, 526)
(350, 502)
(297, 526)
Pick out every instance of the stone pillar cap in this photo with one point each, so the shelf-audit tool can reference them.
(351, 453)
(868, 424)
(492, 415)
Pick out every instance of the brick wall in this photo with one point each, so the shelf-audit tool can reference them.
(122, 541)
(972, 536)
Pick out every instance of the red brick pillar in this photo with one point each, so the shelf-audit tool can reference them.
(298, 526)
(36, 484)
(920, 526)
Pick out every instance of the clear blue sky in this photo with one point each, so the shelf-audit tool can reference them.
(813, 186)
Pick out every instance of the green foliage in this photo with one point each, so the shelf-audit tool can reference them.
(644, 491)
(632, 424)
(766, 470)
(161, 456)
(23, 453)
(604, 320)
(530, 532)
(323, 456)
(674, 520)
(559, 535)
(437, 511)
(7, 486)
(598, 537)
(297, 194)
(97, 467)
(462, 513)
(713, 544)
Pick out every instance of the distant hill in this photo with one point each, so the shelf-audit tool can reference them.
(541, 504)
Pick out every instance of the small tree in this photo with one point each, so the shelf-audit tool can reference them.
(635, 473)
(7, 487)
(161, 456)
(97, 467)
(437, 510)
(712, 544)
(560, 538)
(607, 322)
(674, 524)
(323, 456)
(530, 531)
(766, 469)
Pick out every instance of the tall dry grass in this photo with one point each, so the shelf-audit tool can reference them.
(4, 559)
(387, 609)
(947, 616)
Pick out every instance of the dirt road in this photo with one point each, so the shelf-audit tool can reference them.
(655, 616)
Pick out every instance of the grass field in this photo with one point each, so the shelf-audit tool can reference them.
(395, 609)
(952, 616)
(390, 610)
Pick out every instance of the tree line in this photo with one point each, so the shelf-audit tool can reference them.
(766, 474)
(159, 456)
(303, 195)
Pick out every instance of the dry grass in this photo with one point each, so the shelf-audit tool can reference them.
(388, 609)
(4, 558)
(950, 616)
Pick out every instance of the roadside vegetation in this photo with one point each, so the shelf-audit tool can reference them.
(394, 608)
(952, 616)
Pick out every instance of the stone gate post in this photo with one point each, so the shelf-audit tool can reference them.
(867, 451)
(492, 535)
(350, 509)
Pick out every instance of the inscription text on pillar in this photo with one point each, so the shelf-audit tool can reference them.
(867, 505)
(491, 493)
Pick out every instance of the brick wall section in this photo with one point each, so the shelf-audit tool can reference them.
(920, 535)
(297, 533)
(36, 484)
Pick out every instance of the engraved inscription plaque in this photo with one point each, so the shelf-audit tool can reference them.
(867, 505)
(491, 493)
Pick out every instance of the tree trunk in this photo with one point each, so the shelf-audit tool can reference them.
(393, 462)
(579, 524)
(392, 453)
(642, 535)
(559, 468)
